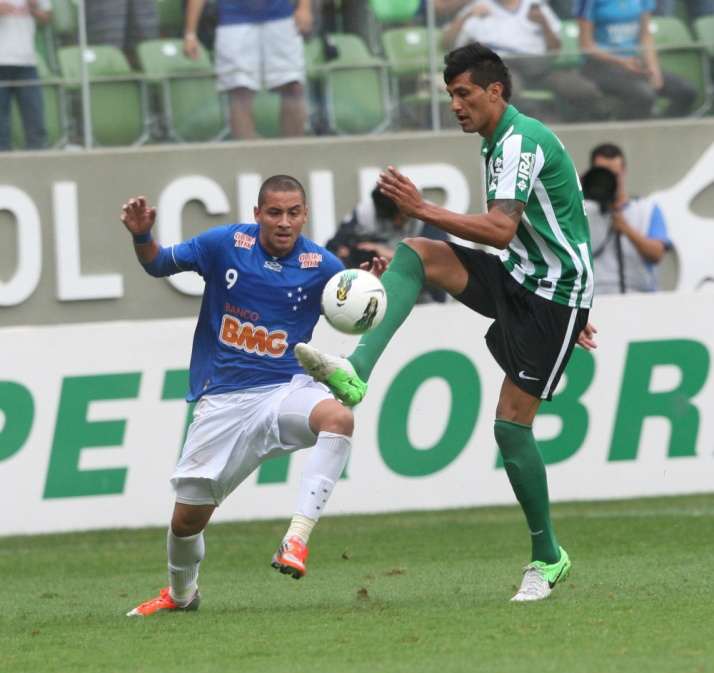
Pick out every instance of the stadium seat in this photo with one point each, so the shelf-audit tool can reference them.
(266, 113)
(64, 22)
(171, 18)
(704, 32)
(678, 52)
(45, 46)
(407, 52)
(117, 97)
(191, 107)
(394, 11)
(354, 85)
(53, 95)
(569, 55)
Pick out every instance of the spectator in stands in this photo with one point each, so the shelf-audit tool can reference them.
(620, 58)
(446, 10)
(258, 44)
(525, 35)
(18, 63)
(628, 234)
(122, 24)
(373, 229)
(206, 29)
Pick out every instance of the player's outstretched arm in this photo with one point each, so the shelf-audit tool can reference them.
(139, 220)
(496, 228)
(586, 338)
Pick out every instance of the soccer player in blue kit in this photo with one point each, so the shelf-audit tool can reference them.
(254, 402)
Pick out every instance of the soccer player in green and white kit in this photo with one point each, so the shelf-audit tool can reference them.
(538, 290)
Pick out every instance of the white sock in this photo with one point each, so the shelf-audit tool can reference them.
(185, 556)
(322, 470)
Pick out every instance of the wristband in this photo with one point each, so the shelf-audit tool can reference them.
(189, 36)
(140, 239)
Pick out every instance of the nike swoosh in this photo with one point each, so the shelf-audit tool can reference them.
(552, 584)
(522, 375)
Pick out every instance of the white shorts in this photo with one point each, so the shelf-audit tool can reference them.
(256, 56)
(233, 433)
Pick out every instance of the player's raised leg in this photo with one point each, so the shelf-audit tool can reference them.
(415, 262)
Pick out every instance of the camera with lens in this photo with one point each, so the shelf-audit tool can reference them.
(358, 256)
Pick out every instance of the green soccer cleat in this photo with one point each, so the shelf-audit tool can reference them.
(539, 578)
(336, 373)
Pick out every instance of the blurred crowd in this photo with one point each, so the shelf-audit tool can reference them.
(571, 61)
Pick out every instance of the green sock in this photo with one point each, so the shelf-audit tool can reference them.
(403, 281)
(526, 472)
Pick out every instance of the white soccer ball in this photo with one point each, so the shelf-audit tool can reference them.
(354, 301)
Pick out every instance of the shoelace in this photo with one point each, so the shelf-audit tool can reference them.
(534, 576)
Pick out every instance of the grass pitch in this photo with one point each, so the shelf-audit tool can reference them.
(412, 592)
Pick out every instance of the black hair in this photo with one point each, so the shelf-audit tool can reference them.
(600, 184)
(279, 183)
(484, 65)
(384, 205)
(607, 150)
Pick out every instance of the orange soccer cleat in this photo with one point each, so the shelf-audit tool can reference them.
(165, 602)
(290, 558)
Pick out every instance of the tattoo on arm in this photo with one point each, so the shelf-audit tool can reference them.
(510, 207)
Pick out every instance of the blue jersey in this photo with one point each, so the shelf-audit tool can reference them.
(253, 11)
(255, 307)
(616, 23)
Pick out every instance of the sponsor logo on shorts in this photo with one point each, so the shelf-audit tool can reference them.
(246, 336)
(522, 375)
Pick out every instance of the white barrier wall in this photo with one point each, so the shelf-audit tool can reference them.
(92, 418)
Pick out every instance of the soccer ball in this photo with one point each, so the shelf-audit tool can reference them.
(354, 301)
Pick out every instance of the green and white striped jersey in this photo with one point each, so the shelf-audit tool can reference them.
(550, 253)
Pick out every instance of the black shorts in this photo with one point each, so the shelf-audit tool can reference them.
(531, 337)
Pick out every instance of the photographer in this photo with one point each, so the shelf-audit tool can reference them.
(374, 228)
(628, 234)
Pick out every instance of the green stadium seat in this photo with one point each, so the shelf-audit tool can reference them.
(678, 52)
(704, 32)
(171, 18)
(354, 85)
(117, 97)
(569, 55)
(407, 52)
(64, 22)
(266, 113)
(191, 107)
(394, 11)
(53, 95)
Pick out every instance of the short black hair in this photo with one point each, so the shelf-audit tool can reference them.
(279, 183)
(607, 150)
(384, 206)
(484, 65)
